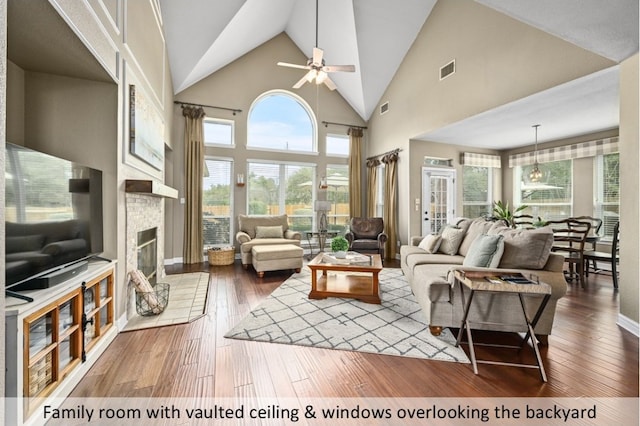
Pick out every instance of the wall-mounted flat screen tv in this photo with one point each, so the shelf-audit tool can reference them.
(53, 216)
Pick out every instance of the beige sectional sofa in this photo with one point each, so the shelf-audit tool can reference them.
(256, 230)
(527, 251)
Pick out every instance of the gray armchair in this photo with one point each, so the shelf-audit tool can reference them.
(366, 235)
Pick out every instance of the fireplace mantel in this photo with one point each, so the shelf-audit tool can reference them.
(150, 187)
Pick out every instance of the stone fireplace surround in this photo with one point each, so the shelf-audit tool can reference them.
(143, 212)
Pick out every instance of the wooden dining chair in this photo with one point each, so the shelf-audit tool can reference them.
(522, 221)
(569, 239)
(596, 225)
(613, 256)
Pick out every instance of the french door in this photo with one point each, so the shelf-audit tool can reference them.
(438, 198)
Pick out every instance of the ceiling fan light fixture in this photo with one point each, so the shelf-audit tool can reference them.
(321, 77)
(312, 75)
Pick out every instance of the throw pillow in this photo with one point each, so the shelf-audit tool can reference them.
(525, 248)
(430, 243)
(451, 238)
(485, 251)
(269, 231)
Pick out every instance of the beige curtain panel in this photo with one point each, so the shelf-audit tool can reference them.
(355, 172)
(192, 251)
(372, 186)
(391, 203)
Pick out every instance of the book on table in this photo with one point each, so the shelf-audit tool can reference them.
(352, 257)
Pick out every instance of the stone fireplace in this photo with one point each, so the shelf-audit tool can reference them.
(145, 239)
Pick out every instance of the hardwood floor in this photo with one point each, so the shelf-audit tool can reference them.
(588, 355)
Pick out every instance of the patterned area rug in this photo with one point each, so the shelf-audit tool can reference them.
(187, 302)
(396, 327)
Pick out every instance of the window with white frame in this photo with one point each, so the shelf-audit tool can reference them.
(338, 196)
(477, 191)
(549, 199)
(607, 204)
(218, 132)
(217, 203)
(380, 188)
(281, 121)
(337, 145)
(282, 188)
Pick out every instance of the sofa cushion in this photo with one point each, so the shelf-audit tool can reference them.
(478, 226)
(246, 247)
(451, 238)
(430, 243)
(486, 251)
(415, 259)
(269, 231)
(26, 243)
(525, 248)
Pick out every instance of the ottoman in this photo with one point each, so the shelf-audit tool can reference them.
(276, 257)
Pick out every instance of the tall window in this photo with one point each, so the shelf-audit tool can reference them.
(217, 210)
(338, 145)
(338, 196)
(380, 191)
(281, 121)
(279, 188)
(477, 191)
(549, 199)
(607, 206)
(218, 132)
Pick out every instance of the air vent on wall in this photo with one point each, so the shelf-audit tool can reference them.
(447, 70)
(384, 108)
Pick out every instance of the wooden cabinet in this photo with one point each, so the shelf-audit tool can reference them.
(51, 342)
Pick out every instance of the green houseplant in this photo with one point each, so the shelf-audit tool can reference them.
(339, 246)
(502, 211)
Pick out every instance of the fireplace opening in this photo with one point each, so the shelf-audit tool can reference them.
(148, 253)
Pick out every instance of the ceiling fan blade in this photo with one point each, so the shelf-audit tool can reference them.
(336, 68)
(317, 55)
(286, 64)
(303, 80)
(329, 83)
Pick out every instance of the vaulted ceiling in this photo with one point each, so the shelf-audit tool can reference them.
(203, 36)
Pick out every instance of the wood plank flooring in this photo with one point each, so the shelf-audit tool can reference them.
(588, 355)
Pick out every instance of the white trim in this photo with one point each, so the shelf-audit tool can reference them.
(628, 324)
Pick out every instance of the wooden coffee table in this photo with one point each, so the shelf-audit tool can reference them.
(356, 281)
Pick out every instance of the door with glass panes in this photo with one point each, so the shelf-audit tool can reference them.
(438, 198)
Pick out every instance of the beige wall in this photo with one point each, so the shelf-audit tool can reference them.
(629, 184)
(237, 86)
(498, 60)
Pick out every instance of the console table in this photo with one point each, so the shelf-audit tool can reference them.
(489, 281)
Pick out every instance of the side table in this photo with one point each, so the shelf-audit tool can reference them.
(322, 239)
(485, 281)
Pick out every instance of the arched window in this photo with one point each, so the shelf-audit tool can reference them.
(281, 121)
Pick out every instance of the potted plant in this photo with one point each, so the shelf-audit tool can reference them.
(339, 246)
(501, 211)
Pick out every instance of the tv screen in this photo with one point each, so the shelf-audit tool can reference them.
(53, 215)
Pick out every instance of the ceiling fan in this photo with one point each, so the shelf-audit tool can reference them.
(318, 70)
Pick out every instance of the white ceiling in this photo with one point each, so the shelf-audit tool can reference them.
(205, 35)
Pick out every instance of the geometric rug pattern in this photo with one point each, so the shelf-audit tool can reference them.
(395, 327)
(187, 302)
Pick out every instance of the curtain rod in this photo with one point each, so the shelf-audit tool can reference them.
(326, 123)
(182, 104)
(393, 151)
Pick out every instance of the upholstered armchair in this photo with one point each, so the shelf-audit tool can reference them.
(366, 235)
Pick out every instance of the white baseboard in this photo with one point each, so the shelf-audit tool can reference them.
(629, 325)
(173, 261)
(121, 323)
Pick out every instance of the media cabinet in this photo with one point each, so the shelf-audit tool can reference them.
(53, 341)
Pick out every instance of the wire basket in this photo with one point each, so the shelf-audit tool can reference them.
(221, 256)
(152, 303)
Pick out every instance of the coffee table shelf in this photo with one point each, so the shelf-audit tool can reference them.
(357, 281)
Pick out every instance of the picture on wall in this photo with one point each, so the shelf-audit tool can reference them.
(146, 129)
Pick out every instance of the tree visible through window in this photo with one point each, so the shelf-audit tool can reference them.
(281, 121)
(477, 191)
(338, 196)
(217, 211)
(607, 205)
(549, 199)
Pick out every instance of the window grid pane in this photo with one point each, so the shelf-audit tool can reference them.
(338, 196)
(476, 191)
(218, 132)
(216, 203)
(552, 198)
(607, 205)
(338, 145)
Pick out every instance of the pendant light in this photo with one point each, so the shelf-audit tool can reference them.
(535, 175)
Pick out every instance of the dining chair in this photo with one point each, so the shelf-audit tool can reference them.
(522, 221)
(612, 256)
(569, 239)
(596, 225)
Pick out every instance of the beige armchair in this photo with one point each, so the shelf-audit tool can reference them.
(263, 230)
(366, 235)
